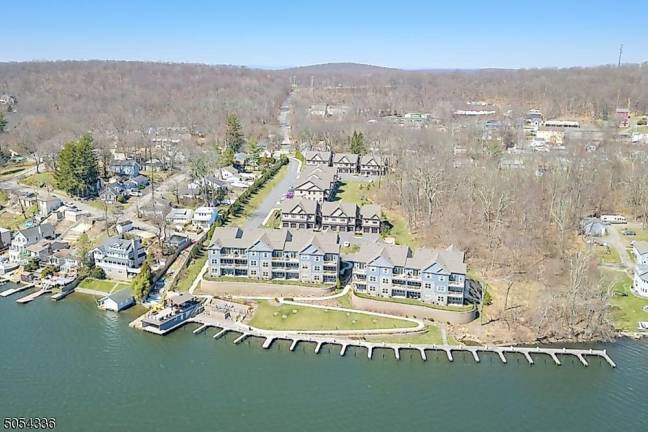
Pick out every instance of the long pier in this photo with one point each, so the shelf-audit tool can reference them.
(294, 338)
(10, 291)
(33, 296)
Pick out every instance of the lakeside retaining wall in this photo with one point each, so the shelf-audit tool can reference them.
(247, 288)
(402, 309)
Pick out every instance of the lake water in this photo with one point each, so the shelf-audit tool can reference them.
(85, 367)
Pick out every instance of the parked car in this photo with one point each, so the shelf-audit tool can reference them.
(628, 232)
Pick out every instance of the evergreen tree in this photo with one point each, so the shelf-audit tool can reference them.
(77, 170)
(254, 150)
(233, 133)
(143, 281)
(227, 158)
(357, 143)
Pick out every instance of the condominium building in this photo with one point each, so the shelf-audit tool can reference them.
(432, 276)
(339, 216)
(317, 158)
(300, 213)
(336, 216)
(319, 183)
(269, 254)
(346, 162)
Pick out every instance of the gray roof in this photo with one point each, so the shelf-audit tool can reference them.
(276, 239)
(37, 232)
(641, 247)
(350, 158)
(180, 299)
(121, 296)
(642, 271)
(370, 211)
(368, 158)
(322, 177)
(127, 162)
(310, 155)
(419, 259)
(308, 206)
(349, 209)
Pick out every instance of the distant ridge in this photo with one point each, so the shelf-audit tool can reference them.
(342, 68)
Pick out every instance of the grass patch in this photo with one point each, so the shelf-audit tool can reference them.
(463, 308)
(13, 169)
(39, 180)
(274, 221)
(106, 285)
(432, 336)
(256, 199)
(271, 281)
(11, 221)
(270, 316)
(627, 307)
(356, 192)
(400, 229)
(190, 273)
(350, 249)
(608, 254)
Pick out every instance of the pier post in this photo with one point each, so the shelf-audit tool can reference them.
(369, 351)
(449, 353)
(343, 349)
(582, 359)
(268, 342)
(501, 356)
(293, 344)
(396, 353)
(423, 356)
(240, 338)
(317, 348)
(220, 333)
(555, 357)
(475, 356)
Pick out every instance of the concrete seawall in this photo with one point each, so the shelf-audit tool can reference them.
(393, 308)
(249, 288)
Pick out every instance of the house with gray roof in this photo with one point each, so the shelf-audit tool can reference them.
(640, 280)
(370, 218)
(127, 167)
(640, 250)
(24, 238)
(347, 163)
(339, 216)
(279, 254)
(119, 258)
(428, 275)
(372, 166)
(317, 183)
(317, 158)
(300, 213)
(118, 300)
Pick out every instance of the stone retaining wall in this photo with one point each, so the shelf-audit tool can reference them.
(393, 308)
(222, 288)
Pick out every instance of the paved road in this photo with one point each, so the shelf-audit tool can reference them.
(271, 201)
(615, 240)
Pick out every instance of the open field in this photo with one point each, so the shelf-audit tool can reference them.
(354, 192)
(627, 307)
(400, 230)
(257, 198)
(39, 180)
(191, 272)
(271, 316)
(431, 336)
(607, 254)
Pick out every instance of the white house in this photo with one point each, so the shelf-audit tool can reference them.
(18, 251)
(204, 217)
(179, 216)
(640, 250)
(119, 258)
(124, 226)
(640, 281)
(117, 301)
(48, 205)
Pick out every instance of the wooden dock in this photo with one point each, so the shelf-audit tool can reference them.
(33, 296)
(555, 354)
(61, 295)
(10, 291)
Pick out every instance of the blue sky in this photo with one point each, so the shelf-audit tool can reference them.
(408, 34)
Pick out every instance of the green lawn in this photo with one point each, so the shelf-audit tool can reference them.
(274, 221)
(417, 303)
(39, 180)
(258, 198)
(354, 192)
(608, 254)
(13, 169)
(432, 336)
(400, 229)
(273, 281)
(191, 272)
(105, 285)
(271, 316)
(627, 308)
(13, 221)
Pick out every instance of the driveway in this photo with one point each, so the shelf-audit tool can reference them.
(272, 200)
(615, 240)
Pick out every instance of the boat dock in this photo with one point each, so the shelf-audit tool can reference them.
(33, 296)
(296, 337)
(61, 295)
(10, 291)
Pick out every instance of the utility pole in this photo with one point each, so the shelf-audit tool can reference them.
(620, 54)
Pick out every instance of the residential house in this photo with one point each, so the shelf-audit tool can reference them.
(347, 163)
(640, 280)
(372, 166)
(317, 158)
(155, 165)
(230, 174)
(65, 259)
(5, 238)
(241, 159)
(27, 199)
(274, 254)
(339, 216)
(26, 237)
(119, 258)
(111, 193)
(593, 227)
(204, 217)
(124, 226)
(178, 309)
(178, 242)
(118, 300)
(318, 183)
(48, 205)
(179, 216)
(432, 276)
(128, 167)
(300, 213)
(137, 182)
(370, 218)
(640, 250)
